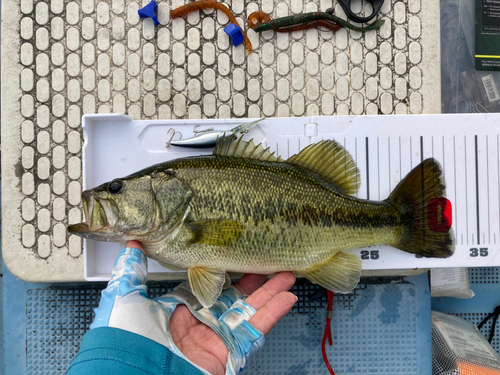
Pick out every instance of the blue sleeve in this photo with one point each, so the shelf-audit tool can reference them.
(130, 273)
(113, 351)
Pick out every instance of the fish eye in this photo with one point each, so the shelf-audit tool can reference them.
(115, 187)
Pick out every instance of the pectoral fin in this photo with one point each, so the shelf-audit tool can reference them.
(339, 274)
(206, 284)
(215, 232)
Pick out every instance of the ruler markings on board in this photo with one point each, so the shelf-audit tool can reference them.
(488, 187)
(394, 155)
(478, 224)
(444, 153)
(494, 185)
(467, 168)
(384, 181)
(483, 181)
(389, 161)
(378, 167)
(422, 188)
(345, 148)
(367, 170)
(461, 198)
(405, 156)
(470, 163)
(484, 195)
(455, 184)
(356, 160)
(473, 197)
(466, 193)
(421, 149)
(411, 154)
(363, 191)
(471, 189)
(372, 156)
(400, 163)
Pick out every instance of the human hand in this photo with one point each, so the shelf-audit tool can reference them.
(202, 346)
(178, 321)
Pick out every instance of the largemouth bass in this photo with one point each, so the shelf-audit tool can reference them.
(244, 210)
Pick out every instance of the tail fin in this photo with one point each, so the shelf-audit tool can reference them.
(425, 213)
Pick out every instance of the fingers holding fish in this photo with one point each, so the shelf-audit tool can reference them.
(276, 308)
(279, 283)
(135, 244)
(272, 301)
(250, 282)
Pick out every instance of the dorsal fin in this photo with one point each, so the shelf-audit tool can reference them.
(332, 161)
(230, 145)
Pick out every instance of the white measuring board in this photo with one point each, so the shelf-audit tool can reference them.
(385, 149)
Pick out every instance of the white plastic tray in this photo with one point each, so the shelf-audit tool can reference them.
(385, 149)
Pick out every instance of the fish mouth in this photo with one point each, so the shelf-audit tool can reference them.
(101, 215)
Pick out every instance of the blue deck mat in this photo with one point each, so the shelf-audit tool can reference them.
(377, 329)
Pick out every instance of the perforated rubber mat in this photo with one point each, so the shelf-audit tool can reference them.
(376, 329)
(484, 275)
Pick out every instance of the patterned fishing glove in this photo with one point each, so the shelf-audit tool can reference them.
(125, 305)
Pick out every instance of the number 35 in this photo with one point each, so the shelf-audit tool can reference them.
(474, 252)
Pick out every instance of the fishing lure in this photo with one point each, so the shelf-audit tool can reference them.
(310, 25)
(280, 23)
(209, 4)
(209, 138)
(259, 17)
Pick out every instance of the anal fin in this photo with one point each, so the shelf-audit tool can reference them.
(206, 284)
(339, 274)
